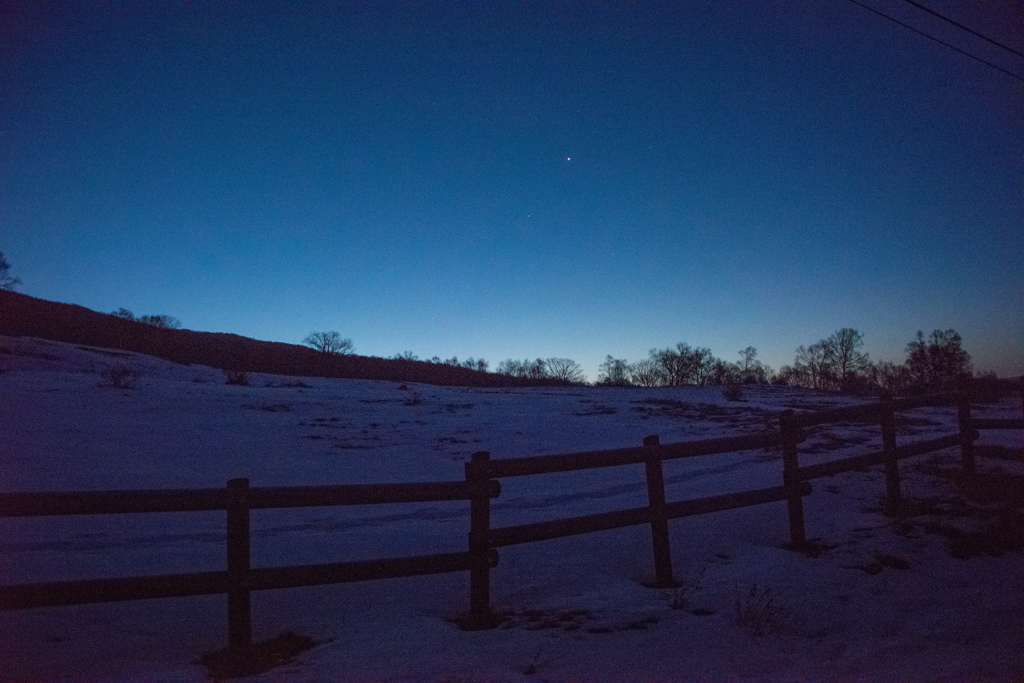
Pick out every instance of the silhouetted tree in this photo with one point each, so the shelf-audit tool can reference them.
(565, 369)
(937, 364)
(786, 376)
(168, 322)
(812, 367)
(123, 313)
(683, 364)
(751, 370)
(329, 342)
(534, 369)
(646, 373)
(7, 281)
(672, 364)
(702, 363)
(893, 378)
(614, 372)
(844, 360)
(510, 367)
(538, 369)
(406, 355)
(724, 372)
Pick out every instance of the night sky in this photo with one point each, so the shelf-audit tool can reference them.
(522, 180)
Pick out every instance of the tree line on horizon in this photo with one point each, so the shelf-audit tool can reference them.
(933, 363)
(167, 322)
(836, 363)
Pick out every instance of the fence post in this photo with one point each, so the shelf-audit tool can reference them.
(478, 478)
(1022, 396)
(887, 418)
(239, 605)
(967, 433)
(789, 435)
(659, 515)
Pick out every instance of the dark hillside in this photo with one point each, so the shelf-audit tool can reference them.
(27, 316)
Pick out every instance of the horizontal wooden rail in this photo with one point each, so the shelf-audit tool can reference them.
(569, 526)
(567, 462)
(37, 504)
(731, 501)
(996, 423)
(266, 578)
(34, 504)
(858, 462)
(363, 494)
(604, 521)
(20, 596)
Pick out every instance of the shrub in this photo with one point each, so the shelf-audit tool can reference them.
(759, 613)
(120, 376)
(733, 391)
(236, 377)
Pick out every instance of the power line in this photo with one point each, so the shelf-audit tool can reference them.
(940, 42)
(958, 25)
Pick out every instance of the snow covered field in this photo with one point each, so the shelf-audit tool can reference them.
(885, 601)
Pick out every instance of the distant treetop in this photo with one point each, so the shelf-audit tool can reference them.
(329, 342)
(7, 281)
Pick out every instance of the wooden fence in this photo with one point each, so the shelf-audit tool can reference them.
(481, 484)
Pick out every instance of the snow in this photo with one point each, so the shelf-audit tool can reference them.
(847, 614)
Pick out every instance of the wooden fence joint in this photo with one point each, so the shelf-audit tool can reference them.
(789, 435)
(481, 555)
(887, 418)
(967, 431)
(659, 514)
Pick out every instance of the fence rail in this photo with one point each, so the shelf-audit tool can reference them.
(481, 484)
(567, 462)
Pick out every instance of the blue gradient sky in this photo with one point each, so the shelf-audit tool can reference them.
(521, 180)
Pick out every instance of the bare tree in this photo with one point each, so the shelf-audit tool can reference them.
(844, 359)
(702, 364)
(168, 322)
(565, 369)
(329, 342)
(673, 364)
(538, 369)
(534, 369)
(751, 370)
(123, 313)
(510, 367)
(613, 371)
(937, 364)
(646, 373)
(893, 378)
(812, 366)
(724, 372)
(7, 281)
